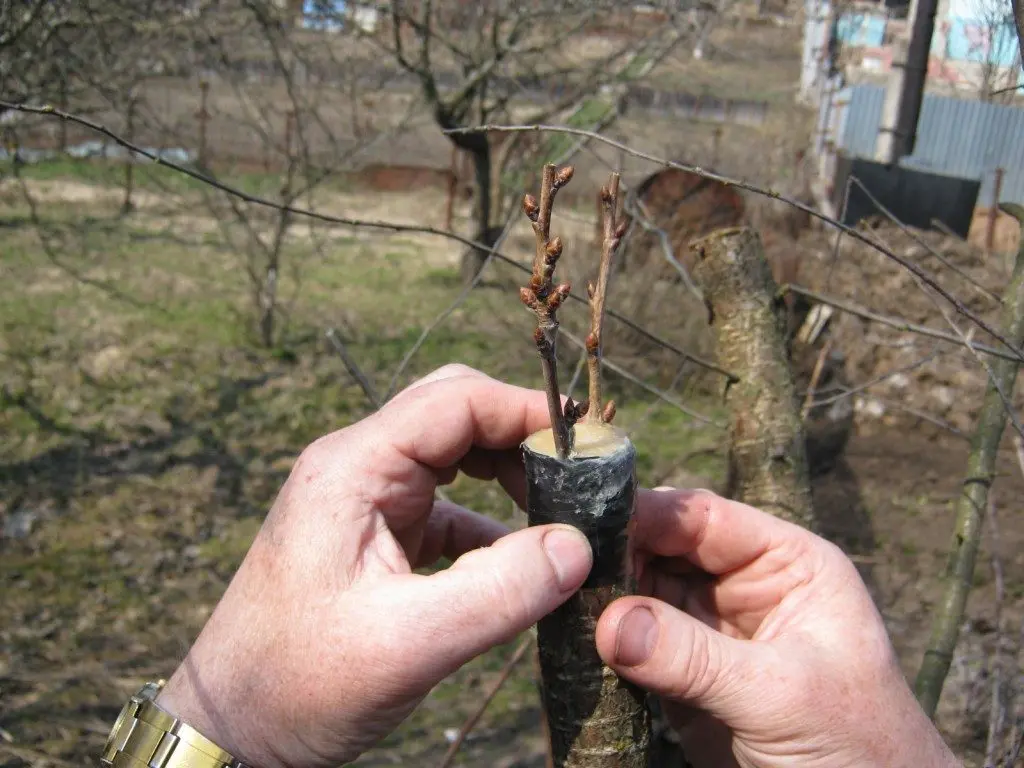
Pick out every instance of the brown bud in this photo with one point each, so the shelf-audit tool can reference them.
(558, 296)
(606, 195)
(564, 176)
(538, 338)
(529, 298)
(593, 343)
(554, 248)
(582, 408)
(530, 207)
(621, 230)
(609, 412)
(591, 290)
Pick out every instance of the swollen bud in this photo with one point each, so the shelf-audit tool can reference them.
(554, 248)
(558, 296)
(528, 297)
(564, 176)
(620, 230)
(592, 343)
(530, 207)
(609, 412)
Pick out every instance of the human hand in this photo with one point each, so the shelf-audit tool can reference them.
(325, 640)
(762, 641)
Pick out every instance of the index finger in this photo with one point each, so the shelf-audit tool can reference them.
(438, 422)
(715, 534)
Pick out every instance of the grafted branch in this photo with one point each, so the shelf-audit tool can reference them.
(544, 298)
(613, 232)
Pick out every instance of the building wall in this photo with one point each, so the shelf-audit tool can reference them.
(955, 137)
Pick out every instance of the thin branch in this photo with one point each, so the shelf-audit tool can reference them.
(915, 269)
(633, 378)
(613, 231)
(353, 368)
(893, 322)
(544, 298)
(354, 222)
(819, 366)
(475, 716)
(850, 391)
(446, 313)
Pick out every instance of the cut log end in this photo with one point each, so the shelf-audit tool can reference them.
(591, 440)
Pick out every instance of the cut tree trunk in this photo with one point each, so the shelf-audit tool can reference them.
(595, 719)
(767, 465)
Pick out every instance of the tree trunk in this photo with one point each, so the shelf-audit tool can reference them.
(767, 449)
(473, 258)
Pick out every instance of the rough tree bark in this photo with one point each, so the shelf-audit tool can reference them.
(767, 465)
(971, 505)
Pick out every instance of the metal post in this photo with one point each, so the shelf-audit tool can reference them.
(898, 129)
(202, 116)
(993, 211)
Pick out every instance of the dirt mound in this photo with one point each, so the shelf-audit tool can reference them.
(909, 374)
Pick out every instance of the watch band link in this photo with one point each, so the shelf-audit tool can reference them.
(151, 738)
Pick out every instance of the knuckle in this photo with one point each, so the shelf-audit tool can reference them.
(451, 370)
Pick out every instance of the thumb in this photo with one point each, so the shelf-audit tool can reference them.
(490, 595)
(674, 655)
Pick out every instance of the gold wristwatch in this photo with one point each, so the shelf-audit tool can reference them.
(144, 735)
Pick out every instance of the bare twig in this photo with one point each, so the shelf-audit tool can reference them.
(445, 314)
(913, 268)
(613, 231)
(850, 391)
(634, 379)
(353, 368)
(920, 241)
(819, 366)
(893, 322)
(474, 717)
(544, 298)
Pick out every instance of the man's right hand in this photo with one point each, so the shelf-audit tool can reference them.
(762, 641)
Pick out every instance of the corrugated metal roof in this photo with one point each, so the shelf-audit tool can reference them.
(955, 137)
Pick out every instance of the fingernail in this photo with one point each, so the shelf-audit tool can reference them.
(638, 632)
(569, 553)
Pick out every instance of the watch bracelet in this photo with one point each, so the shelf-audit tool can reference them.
(156, 739)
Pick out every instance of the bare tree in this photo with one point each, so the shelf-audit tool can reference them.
(993, 45)
(480, 62)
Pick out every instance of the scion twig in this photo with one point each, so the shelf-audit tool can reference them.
(613, 232)
(544, 298)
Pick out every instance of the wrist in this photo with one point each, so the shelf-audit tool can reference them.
(187, 698)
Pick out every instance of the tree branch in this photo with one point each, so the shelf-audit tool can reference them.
(544, 298)
(598, 294)
(972, 503)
